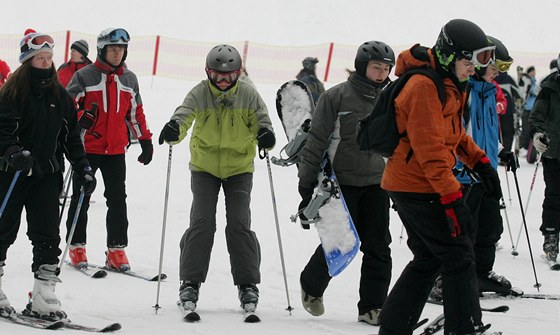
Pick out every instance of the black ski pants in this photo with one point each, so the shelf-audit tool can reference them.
(551, 203)
(113, 171)
(507, 130)
(433, 248)
(39, 197)
(369, 209)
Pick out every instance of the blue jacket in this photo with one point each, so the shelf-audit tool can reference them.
(481, 122)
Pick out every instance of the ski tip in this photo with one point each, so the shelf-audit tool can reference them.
(99, 274)
(501, 309)
(56, 325)
(163, 277)
(252, 318)
(192, 317)
(111, 328)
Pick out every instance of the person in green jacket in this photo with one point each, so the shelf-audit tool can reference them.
(230, 119)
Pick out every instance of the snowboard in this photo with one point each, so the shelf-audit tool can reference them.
(327, 209)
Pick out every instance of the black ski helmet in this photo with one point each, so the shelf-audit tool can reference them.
(373, 50)
(502, 52)
(223, 58)
(458, 39)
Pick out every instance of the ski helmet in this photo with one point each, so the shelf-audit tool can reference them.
(112, 36)
(309, 63)
(462, 39)
(223, 58)
(503, 59)
(373, 50)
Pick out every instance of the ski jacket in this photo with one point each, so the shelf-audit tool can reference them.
(67, 70)
(116, 92)
(334, 130)
(44, 125)
(4, 72)
(224, 135)
(510, 90)
(424, 159)
(481, 123)
(313, 83)
(500, 98)
(545, 116)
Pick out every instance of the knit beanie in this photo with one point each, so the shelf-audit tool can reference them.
(81, 46)
(28, 52)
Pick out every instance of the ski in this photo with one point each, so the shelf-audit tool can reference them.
(249, 313)
(498, 309)
(89, 271)
(539, 296)
(554, 265)
(107, 329)
(434, 326)
(416, 326)
(189, 315)
(30, 322)
(130, 273)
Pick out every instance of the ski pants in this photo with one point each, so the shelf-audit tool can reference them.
(369, 209)
(39, 197)
(113, 171)
(433, 248)
(242, 243)
(507, 129)
(525, 136)
(551, 204)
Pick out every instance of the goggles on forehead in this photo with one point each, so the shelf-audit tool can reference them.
(119, 34)
(483, 56)
(37, 42)
(503, 66)
(228, 77)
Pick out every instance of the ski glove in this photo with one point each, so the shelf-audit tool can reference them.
(457, 214)
(540, 142)
(170, 132)
(266, 139)
(18, 159)
(88, 118)
(86, 177)
(489, 178)
(306, 195)
(509, 159)
(147, 152)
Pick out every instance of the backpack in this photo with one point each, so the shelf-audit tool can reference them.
(378, 132)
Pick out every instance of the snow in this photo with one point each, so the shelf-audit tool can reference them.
(127, 300)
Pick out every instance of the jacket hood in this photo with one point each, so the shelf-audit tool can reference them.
(416, 56)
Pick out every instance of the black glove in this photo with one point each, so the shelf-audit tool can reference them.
(18, 159)
(266, 139)
(170, 132)
(88, 118)
(306, 195)
(458, 215)
(86, 177)
(509, 159)
(489, 178)
(147, 152)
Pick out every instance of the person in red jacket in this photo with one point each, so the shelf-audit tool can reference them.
(4, 72)
(109, 102)
(78, 59)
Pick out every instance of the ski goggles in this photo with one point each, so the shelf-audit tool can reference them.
(37, 42)
(503, 66)
(118, 34)
(223, 77)
(483, 56)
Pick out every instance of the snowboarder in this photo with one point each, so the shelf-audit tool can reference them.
(333, 130)
(38, 125)
(113, 89)
(78, 59)
(428, 198)
(229, 119)
(308, 76)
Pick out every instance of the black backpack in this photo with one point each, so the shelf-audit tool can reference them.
(378, 132)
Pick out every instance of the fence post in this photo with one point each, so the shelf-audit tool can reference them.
(156, 54)
(245, 50)
(67, 46)
(331, 46)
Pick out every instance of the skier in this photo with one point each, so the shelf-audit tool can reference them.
(37, 126)
(507, 120)
(530, 86)
(428, 198)
(78, 59)
(109, 87)
(5, 72)
(545, 129)
(333, 130)
(229, 118)
(481, 122)
(308, 76)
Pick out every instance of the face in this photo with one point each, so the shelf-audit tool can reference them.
(114, 54)
(42, 60)
(491, 73)
(463, 69)
(377, 71)
(75, 56)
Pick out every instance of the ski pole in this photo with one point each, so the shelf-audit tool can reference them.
(165, 203)
(66, 180)
(513, 251)
(290, 308)
(507, 183)
(528, 199)
(9, 193)
(73, 227)
(537, 284)
(71, 173)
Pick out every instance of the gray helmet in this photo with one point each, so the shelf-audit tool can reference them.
(223, 58)
(373, 50)
(309, 63)
(112, 36)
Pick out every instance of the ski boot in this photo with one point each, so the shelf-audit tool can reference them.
(313, 305)
(188, 295)
(436, 294)
(116, 259)
(371, 317)
(550, 247)
(5, 308)
(78, 257)
(45, 305)
(248, 297)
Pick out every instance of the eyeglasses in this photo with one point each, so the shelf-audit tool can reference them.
(119, 34)
(503, 66)
(226, 77)
(484, 56)
(37, 42)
